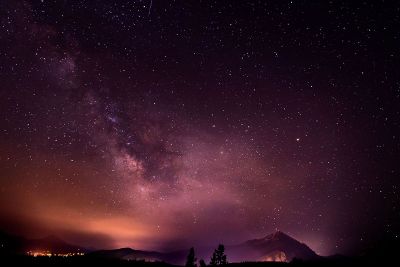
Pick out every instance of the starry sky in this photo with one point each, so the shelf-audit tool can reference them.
(166, 124)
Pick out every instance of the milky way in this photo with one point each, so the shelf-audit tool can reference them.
(196, 122)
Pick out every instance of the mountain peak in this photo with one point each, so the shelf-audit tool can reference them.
(279, 243)
(277, 235)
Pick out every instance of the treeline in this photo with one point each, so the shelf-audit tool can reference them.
(218, 258)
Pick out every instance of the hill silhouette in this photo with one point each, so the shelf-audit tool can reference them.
(277, 246)
(12, 244)
(274, 247)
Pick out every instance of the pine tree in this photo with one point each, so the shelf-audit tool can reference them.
(191, 259)
(219, 257)
(213, 261)
(202, 263)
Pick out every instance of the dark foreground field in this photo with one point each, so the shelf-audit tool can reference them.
(90, 261)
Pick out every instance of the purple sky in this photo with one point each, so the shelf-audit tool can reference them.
(197, 122)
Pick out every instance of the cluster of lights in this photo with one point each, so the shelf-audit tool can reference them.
(276, 256)
(49, 254)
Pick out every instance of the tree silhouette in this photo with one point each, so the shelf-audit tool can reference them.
(219, 257)
(202, 263)
(191, 259)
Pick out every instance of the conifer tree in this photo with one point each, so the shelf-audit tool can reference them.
(191, 259)
(219, 257)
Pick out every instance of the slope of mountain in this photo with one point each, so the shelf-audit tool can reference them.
(175, 257)
(52, 244)
(11, 244)
(275, 247)
(129, 254)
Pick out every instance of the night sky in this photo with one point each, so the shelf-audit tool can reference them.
(167, 124)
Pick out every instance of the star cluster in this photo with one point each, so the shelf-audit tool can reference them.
(165, 124)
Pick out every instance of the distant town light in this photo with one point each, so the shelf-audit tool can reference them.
(38, 253)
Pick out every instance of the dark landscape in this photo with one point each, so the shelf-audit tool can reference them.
(199, 133)
(273, 250)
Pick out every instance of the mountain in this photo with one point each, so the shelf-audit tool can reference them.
(11, 244)
(129, 254)
(277, 246)
(53, 244)
(176, 257)
(274, 247)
